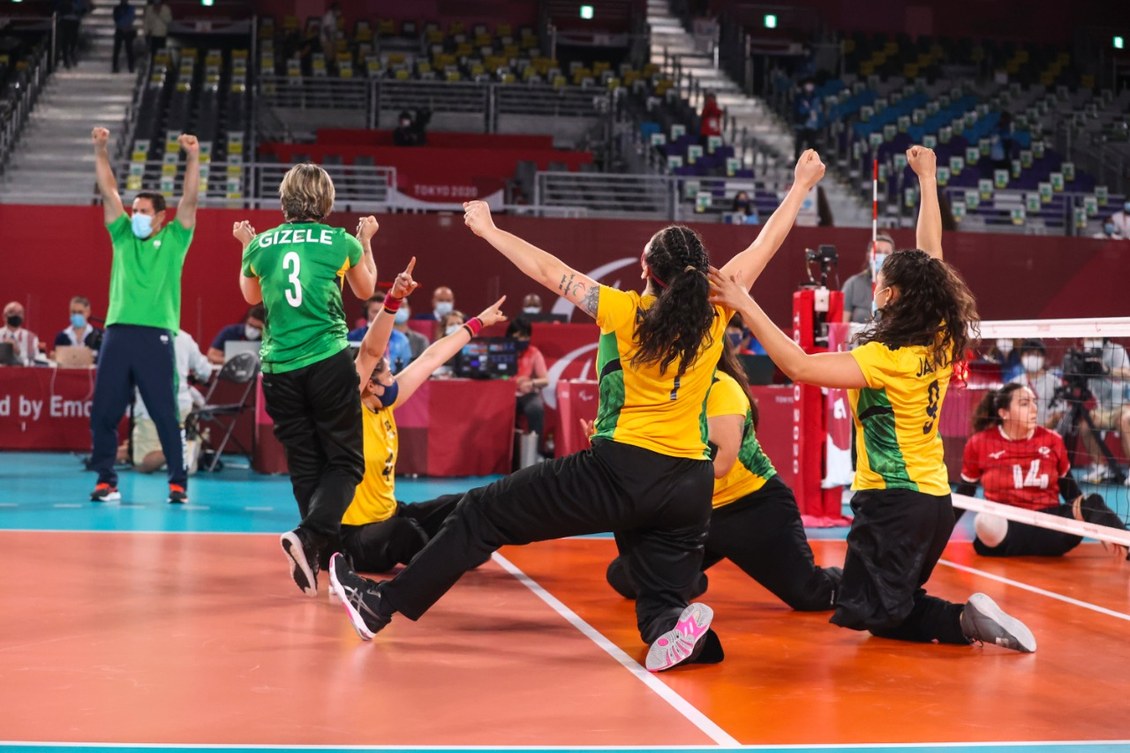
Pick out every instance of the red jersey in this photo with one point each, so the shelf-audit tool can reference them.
(1019, 472)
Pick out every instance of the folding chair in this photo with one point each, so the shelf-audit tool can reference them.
(240, 369)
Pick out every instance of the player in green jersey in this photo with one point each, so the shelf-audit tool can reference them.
(296, 271)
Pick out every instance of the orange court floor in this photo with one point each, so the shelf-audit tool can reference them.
(119, 632)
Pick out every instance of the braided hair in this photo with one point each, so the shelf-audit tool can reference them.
(678, 324)
(934, 308)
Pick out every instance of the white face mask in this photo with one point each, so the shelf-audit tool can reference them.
(251, 333)
(1032, 362)
(443, 308)
(1093, 344)
(532, 310)
(452, 329)
(1004, 346)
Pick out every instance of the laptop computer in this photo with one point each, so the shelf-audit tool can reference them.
(74, 357)
(488, 358)
(235, 347)
(8, 355)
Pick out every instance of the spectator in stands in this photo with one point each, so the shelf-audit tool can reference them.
(329, 30)
(530, 378)
(858, 289)
(410, 130)
(1009, 438)
(531, 305)
(443, 302)
(711, 119)
(70, 17)
(148, 456)
(1110, 231)
(1001, 143)
(155, 24)
(1111, 411)
(25, 343)
(1004, 353)
(1043, 383)
(144, 315)
(807, 116)
(399, 351)
(417, 342)
(81, 331)
(1121, 221)
(124, 33)
(249, 330)
(745, 211)
(447, 324)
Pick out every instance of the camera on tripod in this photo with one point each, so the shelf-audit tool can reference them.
(826, 257)
(1079, 367)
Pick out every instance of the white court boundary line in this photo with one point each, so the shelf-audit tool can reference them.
(676, 701)
(1036, 590)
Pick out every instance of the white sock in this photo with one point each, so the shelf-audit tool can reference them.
(991, 529)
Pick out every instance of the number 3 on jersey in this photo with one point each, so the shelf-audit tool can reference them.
(293, 293)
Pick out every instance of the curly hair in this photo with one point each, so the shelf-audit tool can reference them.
(987, 412)
(306, 193)
(934, 308)
(678, 324)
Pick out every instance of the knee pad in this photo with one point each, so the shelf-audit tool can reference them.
(991, 529)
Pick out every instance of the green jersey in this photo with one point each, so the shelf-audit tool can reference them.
(301, 267)
(145, 275)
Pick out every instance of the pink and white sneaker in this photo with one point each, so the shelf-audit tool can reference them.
(678, 644)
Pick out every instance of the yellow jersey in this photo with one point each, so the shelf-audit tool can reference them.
(752, 468)
(639, 406)
(896, 419)
(374, 500)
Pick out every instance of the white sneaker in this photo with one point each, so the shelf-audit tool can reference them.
(983, 621)
(1094, 475)
(678, 644)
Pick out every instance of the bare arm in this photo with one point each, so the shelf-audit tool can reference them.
(749, 263)
(215, 355)
(375, 343)
(363, 277)
(112, 207)
(248, 286)
(540, 266)
(821, 369)
(186, 209)
(440, 352)
(726, 434)
(928, 236)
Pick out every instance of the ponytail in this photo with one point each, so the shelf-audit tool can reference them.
(988, 410)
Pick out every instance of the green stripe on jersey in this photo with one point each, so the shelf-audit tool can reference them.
(880, 440)
(611, 386)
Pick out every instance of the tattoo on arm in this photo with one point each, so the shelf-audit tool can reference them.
(590, 301)
(566, 284)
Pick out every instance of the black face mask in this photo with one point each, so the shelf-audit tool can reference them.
(15, 321)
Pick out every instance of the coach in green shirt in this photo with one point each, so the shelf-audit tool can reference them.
(297, 271)
(144, 316)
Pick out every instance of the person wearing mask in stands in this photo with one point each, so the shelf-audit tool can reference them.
(417, 341)
(1121, 221)
(25, 343)
(1111, 231)
(443, 302)
(711, 118)
(124, 33)
(399, 352)
(1043, 383)
(744, 210)
(858, 289)
(249, 330)
(531, 305)
(410, 130)
(155, 24)
(81, 331)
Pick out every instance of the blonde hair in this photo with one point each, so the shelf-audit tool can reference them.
(306, 193)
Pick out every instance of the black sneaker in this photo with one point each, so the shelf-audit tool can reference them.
(303, 561)
(105, 493)
(985, 622)
(177, 494)
(360, 596)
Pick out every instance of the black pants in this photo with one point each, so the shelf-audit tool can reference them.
(1023, 539)
(156, 44)
(658, 506)
(896, 538)
(143, 357)
(761, 533)
(123, 39)
(317, 415)
(68, 40)
(805, 139)
(378, 547)
(532, 407)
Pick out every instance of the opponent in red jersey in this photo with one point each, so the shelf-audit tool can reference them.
(1023, 464)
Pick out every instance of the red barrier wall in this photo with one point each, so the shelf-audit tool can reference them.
(52, 253)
